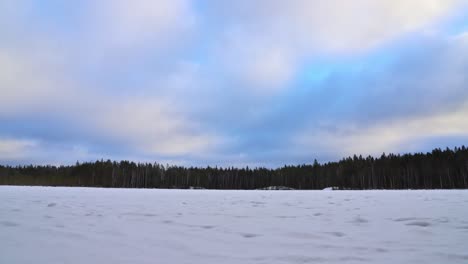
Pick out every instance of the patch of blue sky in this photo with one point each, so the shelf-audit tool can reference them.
(321, 69)
(62, 16)
(458, 23)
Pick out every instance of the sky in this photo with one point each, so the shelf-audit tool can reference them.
(230, 83)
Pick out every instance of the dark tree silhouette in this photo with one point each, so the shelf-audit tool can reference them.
(439, 169)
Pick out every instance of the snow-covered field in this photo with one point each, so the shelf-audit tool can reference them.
(89, 225)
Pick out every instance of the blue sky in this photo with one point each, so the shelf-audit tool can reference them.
(230, 83)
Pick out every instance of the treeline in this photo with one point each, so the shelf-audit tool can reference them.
(439, 169)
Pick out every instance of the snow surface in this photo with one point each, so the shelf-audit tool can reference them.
(91, 225)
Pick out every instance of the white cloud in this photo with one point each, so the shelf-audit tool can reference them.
(335, 25)
(122, 24)
(255, 61)
(426, 100)
(258, 43)
(393, 136)
(42, 69)
(363, 24)
(149, 124)
(153, 126)
(30, 81)
(33, 151)
(273, 37)
(15, 149)
(37, 77)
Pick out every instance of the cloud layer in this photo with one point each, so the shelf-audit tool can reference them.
(258, 83)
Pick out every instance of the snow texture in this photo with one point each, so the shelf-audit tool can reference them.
(92, 225)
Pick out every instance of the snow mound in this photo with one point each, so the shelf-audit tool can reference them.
(276, 188)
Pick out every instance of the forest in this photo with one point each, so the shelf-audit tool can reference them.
(439, 169)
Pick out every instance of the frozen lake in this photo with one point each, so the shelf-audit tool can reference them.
(90, 225)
